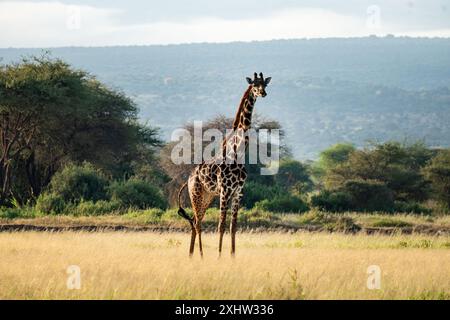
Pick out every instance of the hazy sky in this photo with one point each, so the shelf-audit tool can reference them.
(37, 23)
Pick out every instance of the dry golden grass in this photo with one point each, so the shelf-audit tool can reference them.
(267, 266)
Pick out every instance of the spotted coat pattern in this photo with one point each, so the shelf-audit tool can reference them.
(224, 176)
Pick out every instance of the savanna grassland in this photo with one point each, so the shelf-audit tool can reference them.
(268, 265)
(85, 182)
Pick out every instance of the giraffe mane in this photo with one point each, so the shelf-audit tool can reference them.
(236, 120)
(241, 104)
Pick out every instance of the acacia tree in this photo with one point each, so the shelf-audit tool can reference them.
(330, 158)
(294, 176)
(51, 114)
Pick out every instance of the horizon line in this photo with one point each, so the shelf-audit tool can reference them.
(373, 36)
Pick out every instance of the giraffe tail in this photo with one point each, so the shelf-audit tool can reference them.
(181, 211)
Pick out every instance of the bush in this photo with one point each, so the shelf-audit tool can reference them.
(137, 194)
(256, 218)
(387, 222)
(12, 213)
(171, 215)
(146, 217)
(438, 173)
(315, 218)
(410, 207)
(369, 195)
(344, 224)
(255, 215)
(285, 203)
(50, 203)
(90, 208)
(9, 213)
(329, 222)
(332, 201)
(254, 192)
(357, 195)
(75, 183)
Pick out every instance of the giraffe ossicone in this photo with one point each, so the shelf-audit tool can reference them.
(225, 176)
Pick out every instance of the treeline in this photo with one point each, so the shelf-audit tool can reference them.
(71, 145)
(386, 177)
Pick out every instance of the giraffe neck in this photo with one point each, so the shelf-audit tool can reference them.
(241, 124)
(243, 119)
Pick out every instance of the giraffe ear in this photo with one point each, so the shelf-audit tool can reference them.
(250, 81)
(267, 80)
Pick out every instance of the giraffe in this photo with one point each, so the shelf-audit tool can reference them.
(224, 176)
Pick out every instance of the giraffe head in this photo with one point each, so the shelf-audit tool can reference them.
(259, 85)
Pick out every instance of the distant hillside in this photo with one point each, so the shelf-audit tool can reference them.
(323, 91)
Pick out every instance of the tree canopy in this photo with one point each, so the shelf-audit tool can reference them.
(52, 114)
(438, 172)
(394, 164)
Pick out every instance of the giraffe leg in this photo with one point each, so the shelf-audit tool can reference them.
(223, 218)
(193, 236)
(198, 229)
(222, 222)
(206, 201)
(233, 227)
(196, 194)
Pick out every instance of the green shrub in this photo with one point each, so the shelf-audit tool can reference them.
(255, 215)
(13, 213)
(316, 218)
(356, 195)
(388, 222)
(369, 195)
(137, 194)
(329, 222)
(172, 215)
(336, 201)
(410, 207)
(344, 224)
(255, 192)
(145, 216)
(91, 208)
(285, 203)
(50, 203)
(9, 213)
(75, 183)
(154, 213)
